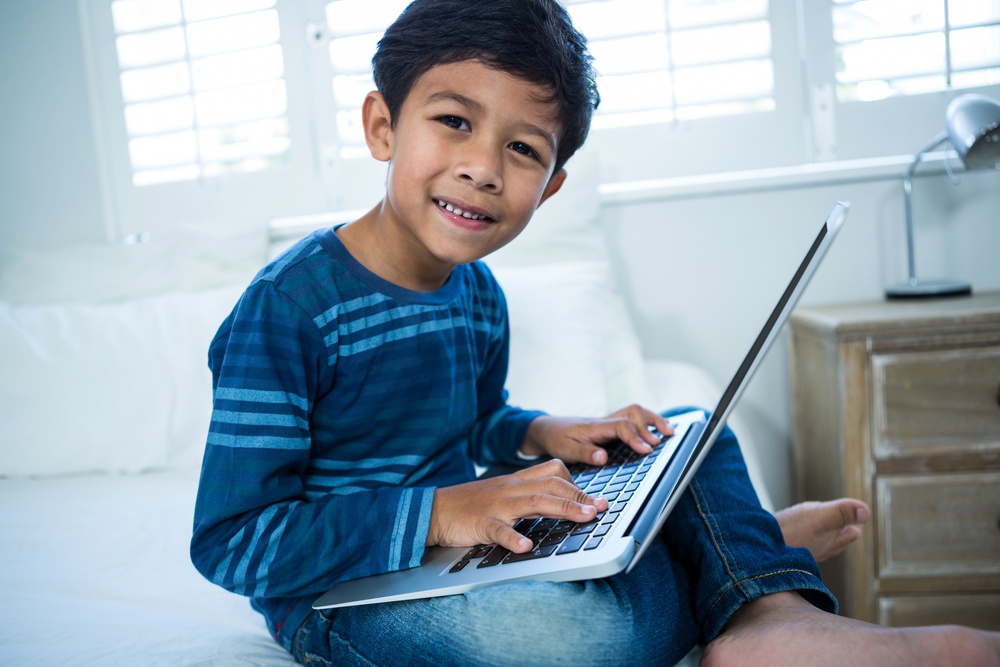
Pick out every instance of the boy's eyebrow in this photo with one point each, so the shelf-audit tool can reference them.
(476, 107)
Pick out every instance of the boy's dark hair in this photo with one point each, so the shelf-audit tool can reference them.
(532, 39)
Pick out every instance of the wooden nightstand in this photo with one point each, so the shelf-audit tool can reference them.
(898, 403)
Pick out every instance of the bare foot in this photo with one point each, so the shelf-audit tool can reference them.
(825, 528)
(784, 630)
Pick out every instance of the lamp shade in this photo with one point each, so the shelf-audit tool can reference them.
(973, 123)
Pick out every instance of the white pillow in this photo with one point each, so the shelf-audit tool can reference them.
(186, 258)
(566, 227)
(120, 387)
(570, 326)
(556, 337)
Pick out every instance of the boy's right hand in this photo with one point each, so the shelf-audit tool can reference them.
(485, 511)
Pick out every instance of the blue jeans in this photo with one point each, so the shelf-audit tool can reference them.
(718, 550)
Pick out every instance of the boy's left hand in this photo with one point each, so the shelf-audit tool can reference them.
(577, 440)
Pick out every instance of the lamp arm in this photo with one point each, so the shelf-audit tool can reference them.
(908, 199)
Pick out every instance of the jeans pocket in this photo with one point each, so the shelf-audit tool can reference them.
(311, 645)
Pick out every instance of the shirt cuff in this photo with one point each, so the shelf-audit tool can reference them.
(521, 456)
(409, 534)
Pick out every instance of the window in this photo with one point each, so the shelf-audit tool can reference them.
(202, 85)
(355, 26)
(658, 61)
(887, 48)
(678, 60)
(250, 109)
(880, 73)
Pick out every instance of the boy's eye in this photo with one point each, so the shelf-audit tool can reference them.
(523, 149)
(454, 122)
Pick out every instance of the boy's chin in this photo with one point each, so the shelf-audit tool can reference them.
(466, 250)
(466, 254)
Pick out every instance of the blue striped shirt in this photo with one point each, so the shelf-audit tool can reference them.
(341, 401)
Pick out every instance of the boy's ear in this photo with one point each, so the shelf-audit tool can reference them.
(378, 126)
(553, 185)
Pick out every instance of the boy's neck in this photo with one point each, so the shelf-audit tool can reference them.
(374, 246)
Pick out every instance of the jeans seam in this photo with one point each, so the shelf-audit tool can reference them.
(355, 652)
(722, 549)
(740, 583)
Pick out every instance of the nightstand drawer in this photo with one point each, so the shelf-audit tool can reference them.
(936, 401)
(975, 610)
(939, 526)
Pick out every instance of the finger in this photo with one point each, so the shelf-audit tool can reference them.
(605, 430)
(661, 423)
(500, 533)
(647, 418)
(539, 497)
(561, 489)
(559, 507)
(641, 419)
(635, 436)
(550, 468)
(537, 483)
(585, 452)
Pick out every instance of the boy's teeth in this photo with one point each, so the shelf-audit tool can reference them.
(458, 211)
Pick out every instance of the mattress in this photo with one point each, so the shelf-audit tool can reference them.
(95, 571)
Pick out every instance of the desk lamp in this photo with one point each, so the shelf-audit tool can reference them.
(973, 129)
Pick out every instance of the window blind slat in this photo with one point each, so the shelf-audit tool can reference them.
(203, 87)
(886, 48)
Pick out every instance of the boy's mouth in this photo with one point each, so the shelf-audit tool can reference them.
(468, 215)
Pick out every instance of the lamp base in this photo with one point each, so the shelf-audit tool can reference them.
(928, 289)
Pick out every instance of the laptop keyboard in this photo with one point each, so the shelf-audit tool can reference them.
(616, 481)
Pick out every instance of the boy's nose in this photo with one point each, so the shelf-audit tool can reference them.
(482, 169)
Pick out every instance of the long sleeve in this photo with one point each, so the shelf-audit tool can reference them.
(256, 526)
(500, 429)
(341, 402)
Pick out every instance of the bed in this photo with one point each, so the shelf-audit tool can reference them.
(105, 398)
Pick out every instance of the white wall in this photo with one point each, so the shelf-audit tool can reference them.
(702, 273)
(50, 177)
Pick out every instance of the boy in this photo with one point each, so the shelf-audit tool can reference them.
(361, 375)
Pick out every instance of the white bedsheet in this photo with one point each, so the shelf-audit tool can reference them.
(94, 570)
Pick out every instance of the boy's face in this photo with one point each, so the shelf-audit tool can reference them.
(471, 156)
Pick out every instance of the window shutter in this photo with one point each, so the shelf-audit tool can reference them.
(658, 61)
(661, 61)
(887, 48)
(203, 87)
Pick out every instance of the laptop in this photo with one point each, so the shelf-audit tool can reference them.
(641, 491)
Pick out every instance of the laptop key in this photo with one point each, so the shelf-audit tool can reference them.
(553, 539)
(537, 535)
(537, 552)
(524, 526)
(572, 544)
(562, 528)
(545, 524)
(477, 551)
(494, 557)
